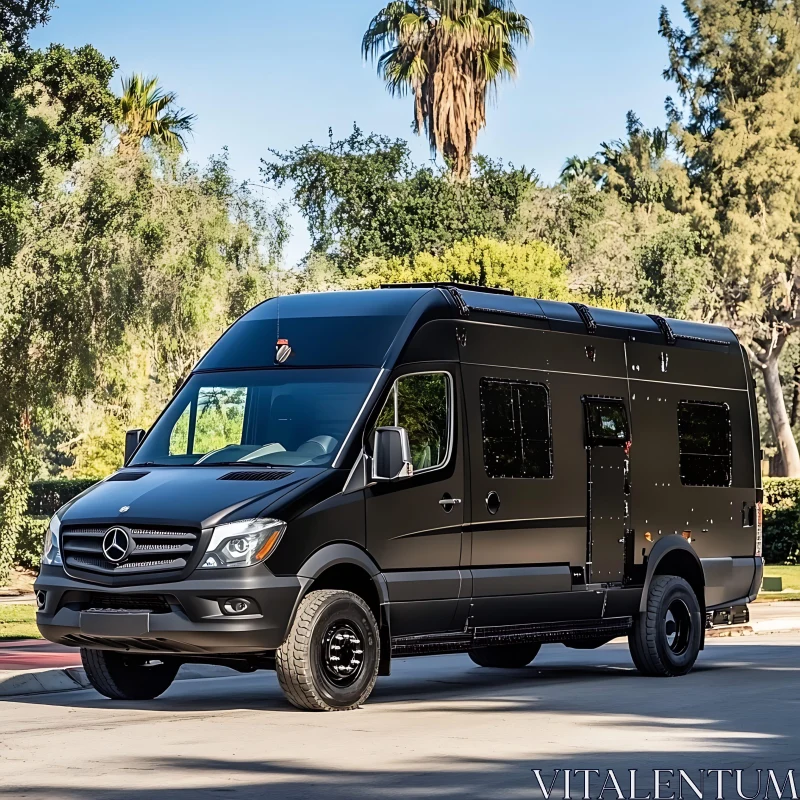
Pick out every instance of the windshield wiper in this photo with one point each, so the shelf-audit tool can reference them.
(236, 464)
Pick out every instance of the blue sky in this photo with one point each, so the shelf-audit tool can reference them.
(264, 74)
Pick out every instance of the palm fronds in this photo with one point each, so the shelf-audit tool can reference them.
(149, 114)
(450, 54)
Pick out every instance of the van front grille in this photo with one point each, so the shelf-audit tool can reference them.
(148, 549)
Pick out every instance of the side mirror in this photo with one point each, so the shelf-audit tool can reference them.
(391, 459)
(133, 439)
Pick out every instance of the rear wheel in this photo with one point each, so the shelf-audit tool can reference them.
(329, 661)
(666, 638)
(122, 676)
(510, 656)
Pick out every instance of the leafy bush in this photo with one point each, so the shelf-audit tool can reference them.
(48, 496)
(782, 520)
(30, 542)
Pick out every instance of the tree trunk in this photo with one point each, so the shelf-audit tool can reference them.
(776, 405)
(795, 395)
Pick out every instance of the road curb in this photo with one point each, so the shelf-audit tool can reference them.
(69, 679)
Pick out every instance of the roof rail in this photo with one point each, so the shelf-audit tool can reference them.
(466, 287)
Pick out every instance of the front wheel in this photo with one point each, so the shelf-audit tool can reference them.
(121, 676)
(329, 661)
(666, 638)
(509, 656)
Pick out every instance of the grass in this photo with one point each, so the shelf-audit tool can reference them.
(791, 581)
(18, 622)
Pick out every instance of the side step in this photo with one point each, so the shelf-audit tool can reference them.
(461, 642)
(736, 614)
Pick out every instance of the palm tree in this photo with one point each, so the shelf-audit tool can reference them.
(580, 169)
(450, 54)
(149, 114)
(639, 167)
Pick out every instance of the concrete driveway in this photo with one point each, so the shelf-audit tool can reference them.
(438, 727)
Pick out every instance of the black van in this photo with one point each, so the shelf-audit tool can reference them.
(350, 477)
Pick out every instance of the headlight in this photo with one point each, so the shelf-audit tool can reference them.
(242, 544)
(52, 555)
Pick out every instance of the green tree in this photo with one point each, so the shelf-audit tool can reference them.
(363, 196)
(53, 103)
(171, 257)
(575, 168)
(638, 167)
(531, 270)
(450, 54)
(736, 69)
(148, 114)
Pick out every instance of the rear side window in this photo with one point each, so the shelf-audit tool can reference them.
(704, 434)
(515, 419)
(606, 422)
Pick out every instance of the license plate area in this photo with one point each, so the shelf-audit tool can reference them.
(115, 623)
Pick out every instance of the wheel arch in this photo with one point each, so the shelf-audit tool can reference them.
(342, 565)
(673, 555)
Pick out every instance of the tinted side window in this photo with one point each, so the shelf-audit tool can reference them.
(607, 422)
(515, 420)
(704, 434)
(421, 405)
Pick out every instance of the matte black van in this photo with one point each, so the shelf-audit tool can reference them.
(350, 477)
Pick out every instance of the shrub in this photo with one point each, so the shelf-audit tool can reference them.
(782, 520)
(48, 496)
(30, 542)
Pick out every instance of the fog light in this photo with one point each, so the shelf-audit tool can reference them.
(41, 599)
(235, 606)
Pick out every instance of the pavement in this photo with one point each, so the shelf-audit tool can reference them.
(438, 727)
(17, 599)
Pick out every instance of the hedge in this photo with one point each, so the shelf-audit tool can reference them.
(782, 520)
(30, 542)
(46, 498)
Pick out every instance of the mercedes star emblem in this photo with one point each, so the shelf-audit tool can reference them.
(116, 544)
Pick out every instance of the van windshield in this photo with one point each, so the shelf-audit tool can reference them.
(281, 417)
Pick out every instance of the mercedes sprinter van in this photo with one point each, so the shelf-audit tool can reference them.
(351, 477)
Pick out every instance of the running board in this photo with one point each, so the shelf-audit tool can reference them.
(439, 643)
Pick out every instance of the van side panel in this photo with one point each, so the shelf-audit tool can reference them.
(712, 516)
(716, 519)
(540, 528)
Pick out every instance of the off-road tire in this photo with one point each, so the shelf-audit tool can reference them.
(509, 656)
(122, 676)
(304, 672)
(649, 639)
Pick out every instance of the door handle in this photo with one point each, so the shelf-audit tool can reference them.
(450, 501)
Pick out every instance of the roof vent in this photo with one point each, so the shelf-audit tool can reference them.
(127, 476)
(256, 475)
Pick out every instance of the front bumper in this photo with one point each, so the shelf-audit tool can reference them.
(185, 617)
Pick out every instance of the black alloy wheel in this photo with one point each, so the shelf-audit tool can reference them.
(342, 653)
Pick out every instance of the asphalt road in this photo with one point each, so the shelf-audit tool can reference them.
(438, 727)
